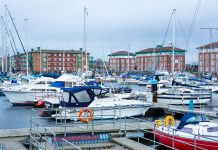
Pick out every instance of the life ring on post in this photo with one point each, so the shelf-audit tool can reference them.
(90, 117)
(169, 120)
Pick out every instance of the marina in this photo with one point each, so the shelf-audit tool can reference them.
(115, 75)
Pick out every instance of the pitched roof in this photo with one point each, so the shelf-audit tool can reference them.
(210, 45)
(159, 49)
(121, 53)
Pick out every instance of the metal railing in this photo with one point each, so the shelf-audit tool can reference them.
(171, 137)
(41, 135)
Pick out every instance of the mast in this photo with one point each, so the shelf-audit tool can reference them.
(63, 60)
(27, 55)
(174, 28)
(6, 44)
(128, 60)
(84, 40)
(2, 24)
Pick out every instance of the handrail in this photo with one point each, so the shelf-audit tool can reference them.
(131, 122)
(144, 130)
(64, 140)
(204, 136)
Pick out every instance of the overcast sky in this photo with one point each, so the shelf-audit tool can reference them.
(112, 25)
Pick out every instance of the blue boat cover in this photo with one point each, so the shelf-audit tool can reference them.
(94, 83)
(82, 96)
(13, 81)
(58, 84)
(191, 118)
(52, 75)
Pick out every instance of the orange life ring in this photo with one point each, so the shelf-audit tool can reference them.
(85, 120)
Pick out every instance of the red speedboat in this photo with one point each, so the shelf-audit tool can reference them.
(194, 132)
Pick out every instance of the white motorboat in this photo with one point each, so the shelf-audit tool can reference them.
(30, 93)
(183, 96)
(104, 105)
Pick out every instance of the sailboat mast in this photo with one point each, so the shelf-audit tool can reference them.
(84, 40)
(174, 30)
(27, 55)
(2, 48)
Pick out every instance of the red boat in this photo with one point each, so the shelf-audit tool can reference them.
(194, 132)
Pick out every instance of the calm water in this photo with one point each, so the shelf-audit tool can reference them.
(19, 117)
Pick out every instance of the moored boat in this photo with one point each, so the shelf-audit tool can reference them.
(182, 96)
(194, 132)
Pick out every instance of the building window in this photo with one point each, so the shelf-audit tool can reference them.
(68, 55)
(59, 59)
(213, 56)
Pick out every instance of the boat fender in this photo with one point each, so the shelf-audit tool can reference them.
(90, 117)
(169, 120)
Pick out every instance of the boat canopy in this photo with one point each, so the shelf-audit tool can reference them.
(92, 83)
(58, 84)
(192, 118)
(81, 96)
(52, 75)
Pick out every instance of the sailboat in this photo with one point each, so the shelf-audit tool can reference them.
(195, 131)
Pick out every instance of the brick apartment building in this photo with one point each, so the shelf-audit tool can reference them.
(43, 60)
(122, 61)
(208, 58)
(160, 58)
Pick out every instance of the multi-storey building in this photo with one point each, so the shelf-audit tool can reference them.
(208, 58)
(122, 61)
(42, 60)
(160, 58)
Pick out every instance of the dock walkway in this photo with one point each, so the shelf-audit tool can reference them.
(131, 144)
(83, 128)
(185, 109)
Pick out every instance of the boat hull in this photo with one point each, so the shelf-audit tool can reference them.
(182, 143)
(25, 98)
(107, 113)
(181, 100)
